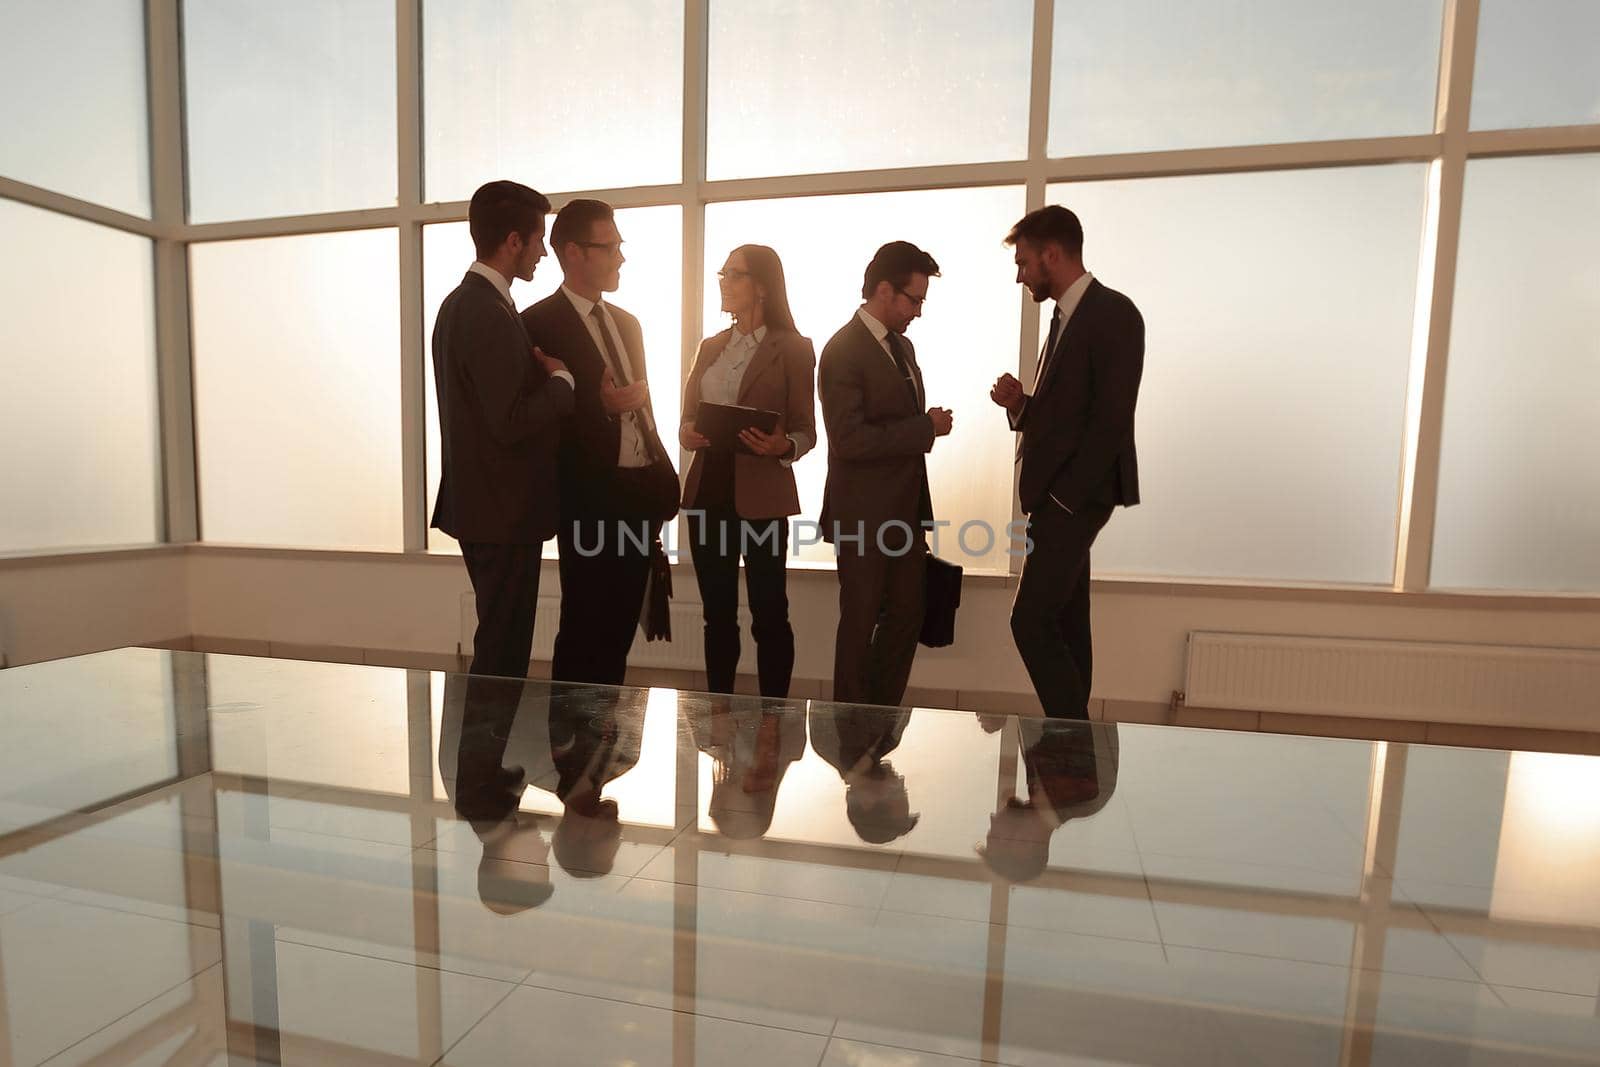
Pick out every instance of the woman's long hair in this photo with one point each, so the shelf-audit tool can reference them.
(766, 270)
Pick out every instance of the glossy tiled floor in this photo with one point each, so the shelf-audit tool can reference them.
(217, 860)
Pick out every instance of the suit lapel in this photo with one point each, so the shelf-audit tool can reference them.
(881, 364)
(1069, 335)
(578, 334)
(766, 355)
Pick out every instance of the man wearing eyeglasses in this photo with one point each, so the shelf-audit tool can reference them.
(618, 484)
(876, 508)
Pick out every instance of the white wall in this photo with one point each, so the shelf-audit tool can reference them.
(413, 603)
(374, 601)
(69, 605)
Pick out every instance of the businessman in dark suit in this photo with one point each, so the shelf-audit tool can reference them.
(876, 508)
(1077, 453)
(501, 401)
(618, 484)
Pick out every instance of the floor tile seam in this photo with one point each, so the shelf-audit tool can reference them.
(1460, 954)
(1163, 854)
(1033, 927)
(130, 1012)
(278, 936)
(444, 1054)
(131, 914)
(755, 893)
(321, 834)
(217, 928)
(1336, 966)
(529, 983)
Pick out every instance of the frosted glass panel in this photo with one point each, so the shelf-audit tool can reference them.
(78, 415)
(1278, 310)
(76, 115)
(1519, 480)
(1144, 75)
(297, 389)
(967, 335)
(652, 289)
(831, 85)
(1538, 64)
(557, 95)
(290, 106)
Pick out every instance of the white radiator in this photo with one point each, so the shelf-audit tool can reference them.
(1552, 688)
(686, 650)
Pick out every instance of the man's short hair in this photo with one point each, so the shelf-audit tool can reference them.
(575, 222)
(499, 209)
(1051, 224)
(895, 263)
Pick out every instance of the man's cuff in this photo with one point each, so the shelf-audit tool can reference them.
(791, 457)
(566, 376)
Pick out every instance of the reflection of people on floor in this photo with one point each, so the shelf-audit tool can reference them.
(1071, 768)
(855, 741)
(595, 737)
(481, 716)
(751, 743)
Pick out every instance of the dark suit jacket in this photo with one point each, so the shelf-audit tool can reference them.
(1077, 428)
(878, 438)
(499, 422)
(591, 440)
(779, 378)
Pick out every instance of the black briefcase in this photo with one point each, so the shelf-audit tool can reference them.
(942, 586)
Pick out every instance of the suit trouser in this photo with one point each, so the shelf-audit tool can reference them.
(716, 542)
(603, 575)
(1050, 614)
(880, 619)
(505, 585)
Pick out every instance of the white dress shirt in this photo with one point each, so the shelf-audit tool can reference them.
(503, 286)
(721, 381)
(632, 452)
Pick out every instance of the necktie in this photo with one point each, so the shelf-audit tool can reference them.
(898, 353)
(621, 376)
(1049, 347)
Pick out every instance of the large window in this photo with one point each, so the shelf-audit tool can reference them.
(565, 95)
(290, 106)
(75, 119)
(78, 413)
(297, 390)
(836, 85)
(964, 340)
(1536, 64)
(651, 289)
(1147, 75)
(1273, 182)
(1278, 313)
(1519, 487)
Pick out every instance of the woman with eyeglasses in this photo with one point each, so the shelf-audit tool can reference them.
(738, 499)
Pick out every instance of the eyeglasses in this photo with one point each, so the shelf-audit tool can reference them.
(732, 275)
(613, 247)
(916, 301)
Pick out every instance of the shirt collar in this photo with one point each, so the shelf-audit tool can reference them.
(498, 280)
(1074, 295)
(584, 305)
(752, 339)
(879, 330)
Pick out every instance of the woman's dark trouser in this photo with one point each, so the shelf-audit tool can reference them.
(717, 538)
